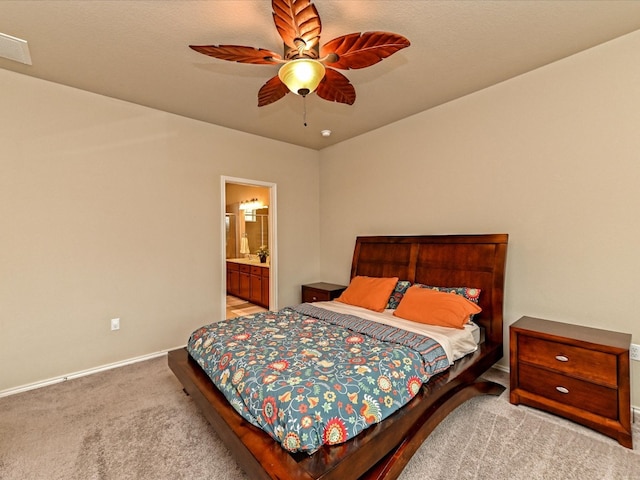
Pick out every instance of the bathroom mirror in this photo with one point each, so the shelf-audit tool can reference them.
(246, 220)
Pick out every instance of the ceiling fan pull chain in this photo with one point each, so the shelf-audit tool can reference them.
(304, 110)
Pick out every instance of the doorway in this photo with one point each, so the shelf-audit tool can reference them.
(248, 231)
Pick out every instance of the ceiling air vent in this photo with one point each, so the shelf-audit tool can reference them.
(14, 49)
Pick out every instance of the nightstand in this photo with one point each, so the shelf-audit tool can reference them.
(321, 292)
(576, 372)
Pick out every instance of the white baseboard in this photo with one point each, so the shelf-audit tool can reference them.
(82, 373)
(502, 368)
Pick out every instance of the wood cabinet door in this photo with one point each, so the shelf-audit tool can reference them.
(245, 285)
(233, 282)
(255, 295)
(265, 287)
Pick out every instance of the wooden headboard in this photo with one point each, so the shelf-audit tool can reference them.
(476, 261)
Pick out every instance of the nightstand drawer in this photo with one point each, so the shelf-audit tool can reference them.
(576, 361)
(312, 295)
(321, 292)
(570, 391)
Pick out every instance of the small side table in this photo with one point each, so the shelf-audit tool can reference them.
(576, 372)
(321, 292)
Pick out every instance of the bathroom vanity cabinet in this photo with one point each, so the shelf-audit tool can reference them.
(249, 281)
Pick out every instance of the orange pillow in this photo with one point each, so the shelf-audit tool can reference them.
(428, 306)
(369, 292)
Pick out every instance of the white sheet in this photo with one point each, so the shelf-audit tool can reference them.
(456, 342)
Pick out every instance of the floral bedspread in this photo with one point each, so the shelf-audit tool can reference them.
(308, 376)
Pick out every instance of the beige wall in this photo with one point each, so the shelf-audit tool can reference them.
(552, 158)
(109, 209)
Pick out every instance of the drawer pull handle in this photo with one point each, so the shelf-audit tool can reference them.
(562, 358)
(562, 389)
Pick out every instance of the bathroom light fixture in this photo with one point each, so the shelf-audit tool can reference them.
(253, 204)
(302, 76)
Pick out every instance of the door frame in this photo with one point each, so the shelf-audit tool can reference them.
(273, 243)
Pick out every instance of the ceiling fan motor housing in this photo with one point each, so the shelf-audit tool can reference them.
(302, 50)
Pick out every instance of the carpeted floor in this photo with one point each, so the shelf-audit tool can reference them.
(135, 422)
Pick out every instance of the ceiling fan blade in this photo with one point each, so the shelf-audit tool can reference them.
(272, 91)
(236, 53)
(297, 20)
(335, 87)
(360, 50)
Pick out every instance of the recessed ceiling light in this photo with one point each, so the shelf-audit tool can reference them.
(326, 133)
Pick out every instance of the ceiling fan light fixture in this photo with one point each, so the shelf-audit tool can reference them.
(302, 76)
(302, 67)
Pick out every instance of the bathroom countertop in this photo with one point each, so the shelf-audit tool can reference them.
(247, 261)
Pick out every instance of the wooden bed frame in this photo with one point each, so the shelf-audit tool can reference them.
(383, 450)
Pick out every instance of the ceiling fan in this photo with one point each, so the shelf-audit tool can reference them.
(305, 66)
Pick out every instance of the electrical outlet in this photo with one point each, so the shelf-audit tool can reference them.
(634, 352)
(115, 324)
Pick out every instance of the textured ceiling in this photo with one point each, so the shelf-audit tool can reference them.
(137, 50)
